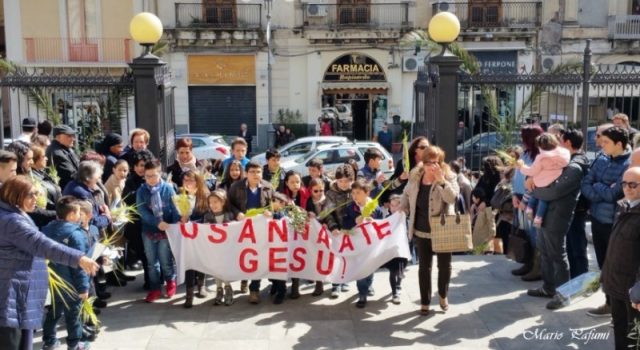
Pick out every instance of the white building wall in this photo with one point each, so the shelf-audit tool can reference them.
(180, 75)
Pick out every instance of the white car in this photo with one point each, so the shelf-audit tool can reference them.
(208, 146)
(336, 154)
(299, 147)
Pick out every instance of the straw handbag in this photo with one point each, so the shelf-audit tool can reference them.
(451, 233)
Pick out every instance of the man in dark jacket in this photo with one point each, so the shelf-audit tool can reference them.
(562, 196)
(572, 139)
(246, 135)
(621, 267)
(601, 186)
(61, 154)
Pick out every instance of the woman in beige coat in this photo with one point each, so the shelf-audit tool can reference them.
(432, 187)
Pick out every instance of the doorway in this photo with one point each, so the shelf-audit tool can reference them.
(360, 110)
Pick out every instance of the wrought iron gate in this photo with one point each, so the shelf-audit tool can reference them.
(494, 106)
(94, 101)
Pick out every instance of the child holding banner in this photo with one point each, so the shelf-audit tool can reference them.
(316, 204)
(157, 210)
(354, 215)
(338, 196)
(299, 196)
(396, 266)
(251, 193)
(219, 213)
(194, 186)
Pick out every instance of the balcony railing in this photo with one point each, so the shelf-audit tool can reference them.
(626, 27)
(519, 15)
(81, 50)
(369, 16)
(219, 16)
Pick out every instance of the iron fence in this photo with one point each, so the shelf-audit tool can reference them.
(493, 107)
(94, 101)
(370, 16)
(514, 14)
(218, 16)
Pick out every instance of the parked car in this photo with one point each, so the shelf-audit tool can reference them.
(481, 145)
(336, 154)
(341, 113)
(208, 146)
(299, 147)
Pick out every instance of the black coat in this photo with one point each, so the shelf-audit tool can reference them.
(247, 137)
(41, 217)
(620, 269)
(562, 196)
(64, 160)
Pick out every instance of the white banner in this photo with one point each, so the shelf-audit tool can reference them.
(259, 247)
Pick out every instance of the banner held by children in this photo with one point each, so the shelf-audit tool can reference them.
(260, 247)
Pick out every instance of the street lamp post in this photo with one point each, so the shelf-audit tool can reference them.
(151, 97)
(270, 131)
(444, 28)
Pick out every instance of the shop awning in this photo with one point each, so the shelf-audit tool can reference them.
(356, 85)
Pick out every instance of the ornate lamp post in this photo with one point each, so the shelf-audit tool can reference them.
(153, 95)
(444, 28)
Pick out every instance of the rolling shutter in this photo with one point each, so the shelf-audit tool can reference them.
(221, 109)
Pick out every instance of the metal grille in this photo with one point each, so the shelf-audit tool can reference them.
(494, 106)
(94, 101)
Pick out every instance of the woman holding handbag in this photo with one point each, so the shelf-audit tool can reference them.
(432, 188)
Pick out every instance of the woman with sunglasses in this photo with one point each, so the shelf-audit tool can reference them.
(315, 205)
(431, 188)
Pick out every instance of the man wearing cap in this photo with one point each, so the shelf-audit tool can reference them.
(28, 128)
(61, 154)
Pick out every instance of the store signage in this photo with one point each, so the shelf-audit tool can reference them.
(222, 70)
(354, 67)
(497, 62)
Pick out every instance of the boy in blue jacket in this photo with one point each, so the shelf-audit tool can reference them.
(155, 205)
(67, 230)
(360, 190)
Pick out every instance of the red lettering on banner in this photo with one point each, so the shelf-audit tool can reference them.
(319, 263)
(247, 232)
(222, 234)
(323, 237)
(252, 263)
(183, 230)
(346, 243)
(304, 234)
(279, 227)
(273, 260)
(363, 228)
(380, 227)
(298, 256)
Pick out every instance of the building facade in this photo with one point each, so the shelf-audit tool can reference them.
(247, 61)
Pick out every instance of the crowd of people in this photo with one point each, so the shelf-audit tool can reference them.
(56, 204)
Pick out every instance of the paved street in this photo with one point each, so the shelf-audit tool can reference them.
(489, 310)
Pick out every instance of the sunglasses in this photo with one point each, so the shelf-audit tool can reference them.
(318, 191)
(631, 185)
(33, 194)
